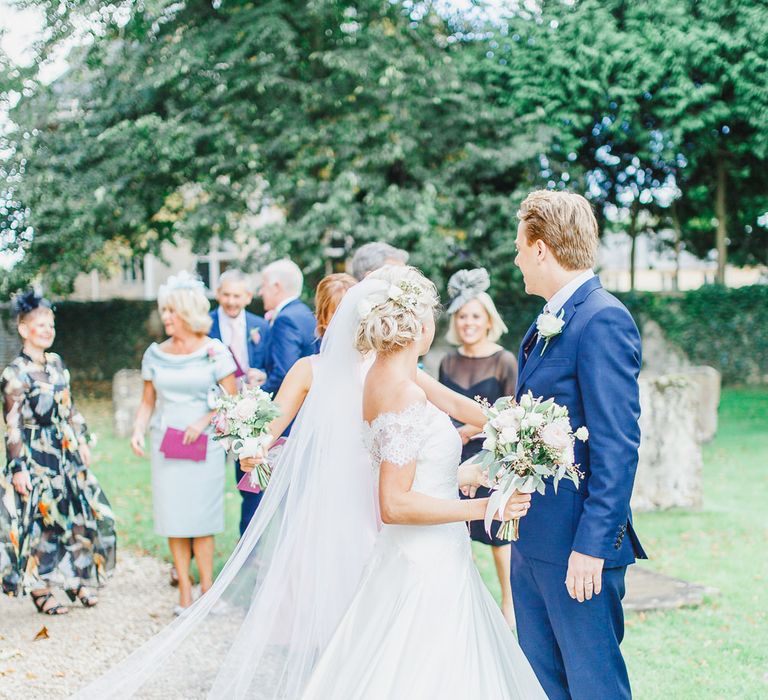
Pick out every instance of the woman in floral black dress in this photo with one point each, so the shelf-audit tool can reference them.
(56, 524)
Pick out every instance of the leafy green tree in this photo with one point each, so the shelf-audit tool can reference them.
(360, 120)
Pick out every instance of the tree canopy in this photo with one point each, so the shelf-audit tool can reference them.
(378, 120)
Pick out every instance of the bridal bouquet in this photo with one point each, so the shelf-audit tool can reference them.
(241, 424)
(525, 443)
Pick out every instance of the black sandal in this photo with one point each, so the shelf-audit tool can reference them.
(42, 598)
(81, 593)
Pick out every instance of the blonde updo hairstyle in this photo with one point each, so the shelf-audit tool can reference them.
(190, 305)
(393, 324)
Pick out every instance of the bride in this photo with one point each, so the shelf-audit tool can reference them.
(422, 623)
(261, 628)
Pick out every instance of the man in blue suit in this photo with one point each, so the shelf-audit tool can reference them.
(246, 336)
(292, 323)
(569, 564)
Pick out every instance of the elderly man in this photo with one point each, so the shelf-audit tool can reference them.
(292, 329)
(246, 336)
(372, 256)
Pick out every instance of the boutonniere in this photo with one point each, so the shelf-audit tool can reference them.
(548, 326)
(211, 354)
(255, 336)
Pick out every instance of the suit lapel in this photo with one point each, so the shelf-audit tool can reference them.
(215, 330)
(569, 310)
(521, 360)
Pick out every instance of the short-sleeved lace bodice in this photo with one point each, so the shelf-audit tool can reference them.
(422, 432)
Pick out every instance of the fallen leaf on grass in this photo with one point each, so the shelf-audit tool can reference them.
(7, 672)
(42, 634)
(31, 676)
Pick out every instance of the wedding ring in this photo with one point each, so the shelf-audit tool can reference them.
(588, 583)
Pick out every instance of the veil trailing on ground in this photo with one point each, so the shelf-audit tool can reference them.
(260, 629)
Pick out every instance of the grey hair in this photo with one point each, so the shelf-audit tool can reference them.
(236, 277)
(372, 256)
(287, 273)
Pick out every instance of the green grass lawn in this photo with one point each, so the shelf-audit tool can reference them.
(718, 650)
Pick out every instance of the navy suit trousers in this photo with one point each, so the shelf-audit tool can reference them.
(573, 647)
(250, 501)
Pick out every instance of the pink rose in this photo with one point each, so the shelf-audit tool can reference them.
(245, 409)
(220, 423)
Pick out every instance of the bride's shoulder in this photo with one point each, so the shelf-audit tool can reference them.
(398, 399)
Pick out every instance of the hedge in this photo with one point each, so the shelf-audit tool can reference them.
(717, 326)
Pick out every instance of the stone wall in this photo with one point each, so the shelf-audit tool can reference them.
(127, 387)
(679, 413)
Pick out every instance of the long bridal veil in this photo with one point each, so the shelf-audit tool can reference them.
(259, 631)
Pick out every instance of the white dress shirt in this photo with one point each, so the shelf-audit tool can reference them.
(562, 295)
(234, 336)
(280, 307)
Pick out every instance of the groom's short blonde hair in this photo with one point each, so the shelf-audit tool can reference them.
(566, 223)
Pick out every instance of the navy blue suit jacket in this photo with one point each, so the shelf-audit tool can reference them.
(291, 337)
(591, 368)
(257, 334)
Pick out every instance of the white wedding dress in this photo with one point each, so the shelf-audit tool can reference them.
(422, 624)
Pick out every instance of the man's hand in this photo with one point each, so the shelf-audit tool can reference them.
(256, 377)
(585, 576)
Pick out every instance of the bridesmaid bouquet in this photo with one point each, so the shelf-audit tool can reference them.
(525, 443)
(241, 424)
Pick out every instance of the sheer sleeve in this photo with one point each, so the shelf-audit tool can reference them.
(14, 390)
(508, 378)
(397, 437)
(76, 419)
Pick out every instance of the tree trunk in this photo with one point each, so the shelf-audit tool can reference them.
(720, 214)
(633, 214)
(678, 246)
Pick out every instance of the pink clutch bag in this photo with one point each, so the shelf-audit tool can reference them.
(173, 446)
(245, 483)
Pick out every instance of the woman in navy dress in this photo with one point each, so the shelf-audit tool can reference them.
(479, 367)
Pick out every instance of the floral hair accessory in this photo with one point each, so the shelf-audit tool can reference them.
(404, 294)
(24, 303)
(465, 285)
(184, 280)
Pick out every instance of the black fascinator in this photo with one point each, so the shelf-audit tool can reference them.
(25, 303)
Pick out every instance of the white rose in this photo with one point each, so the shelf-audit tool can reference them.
(535, 420)
(245, 409)
(509, 418)
(489, 444)
(555, 436)
(395, 292)
(549, 325)
(582, 433)
(508, 435)
(567, 457)
(526, 400)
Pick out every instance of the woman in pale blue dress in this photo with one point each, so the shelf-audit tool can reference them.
(182, 378)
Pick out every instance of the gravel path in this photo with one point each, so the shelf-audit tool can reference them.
(135, 604)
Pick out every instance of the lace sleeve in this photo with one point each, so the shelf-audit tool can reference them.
(397, 437)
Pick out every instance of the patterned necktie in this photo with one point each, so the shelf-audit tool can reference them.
(528, 347)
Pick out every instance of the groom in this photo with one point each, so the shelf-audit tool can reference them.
(569, 564)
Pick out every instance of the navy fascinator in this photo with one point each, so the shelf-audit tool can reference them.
(25, 303)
